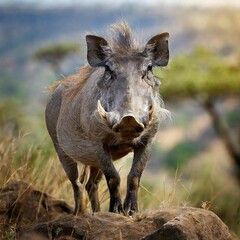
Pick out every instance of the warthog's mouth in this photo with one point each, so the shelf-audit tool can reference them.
(128, 133)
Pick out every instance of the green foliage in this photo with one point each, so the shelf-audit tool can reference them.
(201, 74)
(180, 155)
(10, 116)
(25, 132)
(56, 53)
(11, 87)
(233, 118)
(205, 77)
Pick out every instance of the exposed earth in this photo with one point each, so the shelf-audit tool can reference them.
(28, 214)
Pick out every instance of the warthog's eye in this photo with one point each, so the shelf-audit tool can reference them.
(147, 72)
(149, 67)
(108, 69)
(108, 75)
(148, 75)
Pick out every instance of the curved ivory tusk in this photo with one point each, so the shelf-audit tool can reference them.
(101, 111)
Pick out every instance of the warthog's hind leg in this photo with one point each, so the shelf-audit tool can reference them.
(92, 188)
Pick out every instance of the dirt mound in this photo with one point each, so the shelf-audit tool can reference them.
(28, 214)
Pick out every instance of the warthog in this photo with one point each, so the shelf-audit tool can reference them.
(107, 109)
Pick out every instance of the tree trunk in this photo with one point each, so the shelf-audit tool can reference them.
(224, 133)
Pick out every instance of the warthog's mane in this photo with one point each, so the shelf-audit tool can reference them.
(122, 41)
(73, 82)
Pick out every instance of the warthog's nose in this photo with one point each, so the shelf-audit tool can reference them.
(128, 127)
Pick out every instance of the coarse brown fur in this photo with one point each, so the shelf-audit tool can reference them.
(73, 83)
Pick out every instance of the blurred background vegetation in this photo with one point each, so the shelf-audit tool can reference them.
(196, 157)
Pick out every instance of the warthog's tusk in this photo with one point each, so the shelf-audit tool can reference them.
(101, 111)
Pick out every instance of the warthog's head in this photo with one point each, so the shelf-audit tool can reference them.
(128, 87)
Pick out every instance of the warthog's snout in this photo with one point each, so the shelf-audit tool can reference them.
(128, 127)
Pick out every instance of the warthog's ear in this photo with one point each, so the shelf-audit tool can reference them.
(157, 49)
(98, 51)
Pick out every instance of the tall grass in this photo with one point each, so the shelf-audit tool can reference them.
(203, 186)
(27, 154)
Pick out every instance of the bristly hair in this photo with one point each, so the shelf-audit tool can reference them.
(73, 83)
(122, 39)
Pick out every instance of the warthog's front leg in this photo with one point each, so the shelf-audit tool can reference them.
(113, 182)
(71, 170)
(141, 156)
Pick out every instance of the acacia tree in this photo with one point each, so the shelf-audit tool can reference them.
(203, 76)
(55, 54)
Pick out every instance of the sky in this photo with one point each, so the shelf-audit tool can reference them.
(52, 3)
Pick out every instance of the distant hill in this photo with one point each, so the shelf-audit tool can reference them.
(25, 30)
